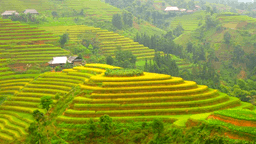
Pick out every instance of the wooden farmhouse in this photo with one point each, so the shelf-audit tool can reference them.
(7, 14)
(61, 61)
(32, 11)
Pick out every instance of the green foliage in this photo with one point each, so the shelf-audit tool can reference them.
(117, 21)
(64, 39)
(38, 116)
(79, 49)
(55, 14)
(162, 64)
(46, 102)
(124, 59)
(158, 126)
(58, 68)
(178, 30)
(109, 60)
(29, 18)
(123, 72)
(227, 37)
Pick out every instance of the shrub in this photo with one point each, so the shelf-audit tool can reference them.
(123, 72)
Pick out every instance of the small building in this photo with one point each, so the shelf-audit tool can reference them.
(172, 8)
(58, 61)
(197, 6)
(245, 1)
(61, 61)
(190, 11)
(7, 14)
(32, 11)
(75, 60)
(183, 10)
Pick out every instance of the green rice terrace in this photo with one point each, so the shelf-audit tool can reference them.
(108, 40)
(12, 33)
(189, 22)
(136, 98)
(95, 8)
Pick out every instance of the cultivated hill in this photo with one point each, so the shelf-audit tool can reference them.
(136, 97)
(21, 43)
(189, 22)
(239, 40)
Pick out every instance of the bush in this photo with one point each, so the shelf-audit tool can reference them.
(123, 72)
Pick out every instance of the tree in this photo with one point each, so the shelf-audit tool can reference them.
(110, 60)
(158, 126)
(117, 21)
(54, 14)
(64, 39)
(38, 116)
(227, 37)
(46, 102)
(124, 59)
(129, 19)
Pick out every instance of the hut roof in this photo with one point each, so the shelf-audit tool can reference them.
(32, 11)
(172, 8)
(8, 13)
(58, 60)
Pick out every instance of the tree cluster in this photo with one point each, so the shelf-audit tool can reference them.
(123, 59)
(29, 18)
(120, 21)
(164, 43)
(162, 64)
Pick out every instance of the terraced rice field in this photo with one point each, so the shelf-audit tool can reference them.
(31, 54)
(108, 40)
(12, 125)
(27, 98)
(143, 96)
(96, 8)
(241, 122)
(12, 33)
(147, 96)
(15, 32)
(93, 8)
(189, 22)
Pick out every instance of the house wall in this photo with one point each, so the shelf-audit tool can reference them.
(77, 63)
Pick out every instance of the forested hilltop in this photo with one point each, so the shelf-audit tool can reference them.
(127, 71)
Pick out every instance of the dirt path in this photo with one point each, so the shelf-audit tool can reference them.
(233, 121)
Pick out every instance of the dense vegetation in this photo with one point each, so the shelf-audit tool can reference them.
(157, 86)
(123, 72)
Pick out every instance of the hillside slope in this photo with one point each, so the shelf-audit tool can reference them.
(237, 49)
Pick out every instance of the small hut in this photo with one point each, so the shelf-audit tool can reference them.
(61, 61)
(75, 60)
(32, 11)
(7, 14)
(172, 9)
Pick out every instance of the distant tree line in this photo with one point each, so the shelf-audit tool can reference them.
(121, 21)
(145, 11)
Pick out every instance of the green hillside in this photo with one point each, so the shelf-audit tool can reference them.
(189, 22)
(159, 96)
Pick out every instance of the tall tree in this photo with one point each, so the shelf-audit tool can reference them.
(117, 21)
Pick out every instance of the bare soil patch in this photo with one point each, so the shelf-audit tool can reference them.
(237, 136)
(241, 25)
(242, 75)
(135, 25)
(233, 121)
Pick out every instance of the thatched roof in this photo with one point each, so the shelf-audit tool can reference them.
(9, 13)
(32, 11)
